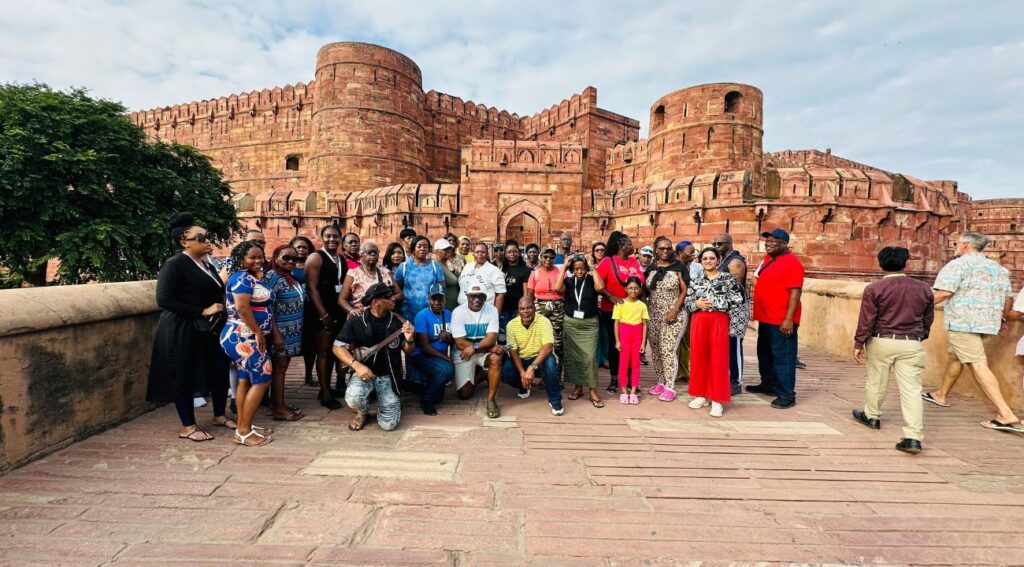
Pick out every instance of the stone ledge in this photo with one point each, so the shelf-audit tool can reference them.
(32, 310)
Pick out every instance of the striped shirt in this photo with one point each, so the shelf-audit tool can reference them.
(528, 342)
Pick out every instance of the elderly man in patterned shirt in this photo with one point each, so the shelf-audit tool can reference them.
(977, 292)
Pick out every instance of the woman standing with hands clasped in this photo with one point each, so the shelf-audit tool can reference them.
(186, 354)
(666, 284)
(580, 288)
(325, 273)
(711, 297)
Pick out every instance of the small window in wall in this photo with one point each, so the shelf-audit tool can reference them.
(682, 143)
(1013, 227)
(291, 163)
(732, 101)
(711, 131)
(658, 118)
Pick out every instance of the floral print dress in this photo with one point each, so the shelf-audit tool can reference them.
(237, 340)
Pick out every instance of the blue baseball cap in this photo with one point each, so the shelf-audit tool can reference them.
(436, 288)
(777, 233)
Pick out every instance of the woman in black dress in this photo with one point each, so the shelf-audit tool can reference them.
(325, 273)
(186, 352)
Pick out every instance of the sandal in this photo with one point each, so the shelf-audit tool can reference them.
(597, 403)
(228, 423)
(493, 411)
(575, 395)
(191, 436)
(293, 416)
(264, 430)
(244, 439)
(358, 421)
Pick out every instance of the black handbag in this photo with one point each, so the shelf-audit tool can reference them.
(212, 324)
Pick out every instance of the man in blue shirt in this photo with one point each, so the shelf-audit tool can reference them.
(432, 357)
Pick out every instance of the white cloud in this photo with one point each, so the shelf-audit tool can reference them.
(928, 89)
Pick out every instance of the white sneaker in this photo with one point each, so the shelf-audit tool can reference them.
(524, 394)
(716, 409)
(198, 402)
(698, 403)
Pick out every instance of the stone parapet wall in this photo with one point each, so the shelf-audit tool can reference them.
(73, 361)
(829, 321)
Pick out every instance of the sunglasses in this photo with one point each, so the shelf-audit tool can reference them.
(547, 257)
(288, 258)
(200, 238)
(665, 248)
(717, 243)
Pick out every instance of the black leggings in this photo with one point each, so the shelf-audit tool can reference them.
(605, 319)
(187, 410)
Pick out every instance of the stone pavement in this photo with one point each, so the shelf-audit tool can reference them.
(655, 484)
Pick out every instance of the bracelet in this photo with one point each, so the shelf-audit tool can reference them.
(325, 316)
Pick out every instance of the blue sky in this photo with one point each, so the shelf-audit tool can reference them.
(932, 89)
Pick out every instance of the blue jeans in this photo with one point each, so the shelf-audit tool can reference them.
(435, 372)
(776, 359)
(389, 405)
(548, 371)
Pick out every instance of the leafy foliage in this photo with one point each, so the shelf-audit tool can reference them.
(80, 182)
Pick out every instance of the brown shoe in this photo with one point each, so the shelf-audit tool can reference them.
(358, 422)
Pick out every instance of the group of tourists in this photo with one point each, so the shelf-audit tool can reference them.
(453, 312)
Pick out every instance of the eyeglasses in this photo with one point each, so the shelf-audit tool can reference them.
(547, 257)
(287, 258)
(709, 259)
(717, 243)
(665, 248)
(200, 238)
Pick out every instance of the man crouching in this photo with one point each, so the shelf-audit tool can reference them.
(369, 343)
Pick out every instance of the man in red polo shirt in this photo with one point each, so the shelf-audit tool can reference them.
(780, 280)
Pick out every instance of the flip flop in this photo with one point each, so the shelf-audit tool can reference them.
(597, 403)
(927, 396)
(575, 395)
(228, 423)
(190, 437)
(493, 411)
(998, 425)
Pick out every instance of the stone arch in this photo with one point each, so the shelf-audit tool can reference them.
(524, 206)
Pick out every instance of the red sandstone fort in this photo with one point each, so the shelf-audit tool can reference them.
(363, 146)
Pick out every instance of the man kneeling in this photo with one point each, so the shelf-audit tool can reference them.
(530, 342)
(370, 343)
(475, 329)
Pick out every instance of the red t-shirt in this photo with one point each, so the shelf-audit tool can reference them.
(775, 277)
(625, 268)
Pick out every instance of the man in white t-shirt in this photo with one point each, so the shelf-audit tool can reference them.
(475, 330)
(484, 274)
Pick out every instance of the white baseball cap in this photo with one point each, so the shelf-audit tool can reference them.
(442, 244)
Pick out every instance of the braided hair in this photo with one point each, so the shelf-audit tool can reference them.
(239, 252)
(615, 241)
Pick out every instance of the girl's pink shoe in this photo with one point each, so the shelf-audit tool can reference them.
(656, 389)
(623, 398)
(667, 395)
(634, 399)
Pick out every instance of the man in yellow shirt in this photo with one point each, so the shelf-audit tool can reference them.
(530, 342)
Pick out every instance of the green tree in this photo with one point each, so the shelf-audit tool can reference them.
(80, 182)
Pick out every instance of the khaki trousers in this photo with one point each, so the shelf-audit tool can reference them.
(905, 359)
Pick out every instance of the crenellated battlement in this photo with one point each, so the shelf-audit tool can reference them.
(561, 113)
(276, 100)
(449, 104)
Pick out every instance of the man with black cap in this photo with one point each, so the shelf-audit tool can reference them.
(780, 281)
(369, 343)
(432, 357)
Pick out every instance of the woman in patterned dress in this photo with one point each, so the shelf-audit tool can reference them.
(250, 307)
(289, 302)
(359, 279)
(667, 288)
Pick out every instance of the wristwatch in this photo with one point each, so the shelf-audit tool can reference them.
(535, 367)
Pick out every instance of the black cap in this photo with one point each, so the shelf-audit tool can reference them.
(777, 233)
(376, 291)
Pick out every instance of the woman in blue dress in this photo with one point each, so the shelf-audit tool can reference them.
(250, 307)
(289, 300)
(416, 275)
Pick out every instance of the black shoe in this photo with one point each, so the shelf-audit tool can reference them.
(331, 403)
(783, 403)
(761, 389)
(800, 364)
(643, 360)
(736, 390)
(912, 446)
(234, 407)
(310, 381)
(430, 410)
(862, 417)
